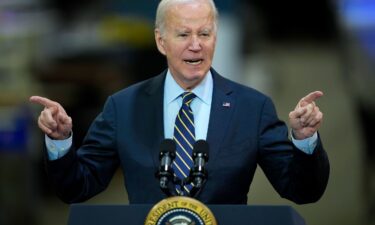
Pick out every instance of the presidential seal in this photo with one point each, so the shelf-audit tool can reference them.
(180, 211)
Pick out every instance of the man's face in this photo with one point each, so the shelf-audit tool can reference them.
(188, 42)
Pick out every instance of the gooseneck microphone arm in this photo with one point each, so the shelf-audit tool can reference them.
(165, 172)
(198, 173)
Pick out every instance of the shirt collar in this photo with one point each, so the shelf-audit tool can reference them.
(203, 90)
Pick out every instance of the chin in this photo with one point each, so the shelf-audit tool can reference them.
(195, 76)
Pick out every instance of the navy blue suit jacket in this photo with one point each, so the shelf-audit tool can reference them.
(248, 133)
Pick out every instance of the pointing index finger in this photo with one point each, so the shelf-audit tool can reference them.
(43, 101)
(311, 97)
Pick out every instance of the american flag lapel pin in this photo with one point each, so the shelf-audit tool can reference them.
(226, 104)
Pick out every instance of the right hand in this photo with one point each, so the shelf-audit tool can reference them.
(53, 120)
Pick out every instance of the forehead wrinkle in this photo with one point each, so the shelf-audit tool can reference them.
(189, 26)
(173, 13)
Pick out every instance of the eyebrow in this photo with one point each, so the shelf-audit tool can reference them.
(182, 30)
(208, 30)
(185, 30)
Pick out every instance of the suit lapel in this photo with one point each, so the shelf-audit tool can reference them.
(222, 108)
(154, 107)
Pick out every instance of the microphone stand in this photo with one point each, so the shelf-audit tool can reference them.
(165, 172)
(198, 179)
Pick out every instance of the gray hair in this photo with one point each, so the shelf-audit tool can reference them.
(165, 4)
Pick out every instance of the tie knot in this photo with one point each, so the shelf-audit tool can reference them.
(187, 98)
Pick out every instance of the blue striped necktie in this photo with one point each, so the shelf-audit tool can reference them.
(184, 136)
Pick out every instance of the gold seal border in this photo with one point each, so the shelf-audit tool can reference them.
(180, 202)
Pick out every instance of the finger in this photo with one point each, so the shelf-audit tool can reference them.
(64, 119)
(303, 103)
(43, 101)
(44, 128)
(313, 115)
(306, 116)
(311, 97)
(297, 113)
(47, 117)
(313, 129)
(61, 115)
(317, 120)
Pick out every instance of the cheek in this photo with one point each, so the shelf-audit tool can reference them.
(211, 49)
(211, 46)
(175, 52)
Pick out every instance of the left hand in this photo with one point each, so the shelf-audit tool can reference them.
(306, 118)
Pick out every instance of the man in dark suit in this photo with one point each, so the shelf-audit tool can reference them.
(239, 123)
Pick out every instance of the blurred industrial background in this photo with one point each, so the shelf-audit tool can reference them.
(77, 52)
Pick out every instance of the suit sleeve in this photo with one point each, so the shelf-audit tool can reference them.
(295, 175)
(84, 172)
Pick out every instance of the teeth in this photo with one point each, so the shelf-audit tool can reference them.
(193, 62)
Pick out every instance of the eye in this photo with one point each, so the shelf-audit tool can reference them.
(182, 35)
(204, 34)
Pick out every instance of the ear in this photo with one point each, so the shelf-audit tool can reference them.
(159, 41)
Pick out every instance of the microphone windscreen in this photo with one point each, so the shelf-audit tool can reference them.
(201, 146)
(168, 146)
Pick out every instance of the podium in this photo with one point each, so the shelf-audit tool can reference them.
(83, 214)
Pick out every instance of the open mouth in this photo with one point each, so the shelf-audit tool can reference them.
(193, 61)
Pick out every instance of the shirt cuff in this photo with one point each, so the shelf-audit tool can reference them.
(306, 145)
(57, 148)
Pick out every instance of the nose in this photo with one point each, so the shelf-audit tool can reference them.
(195, 44)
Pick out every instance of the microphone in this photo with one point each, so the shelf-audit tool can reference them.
(199, 173)
(166, 156)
